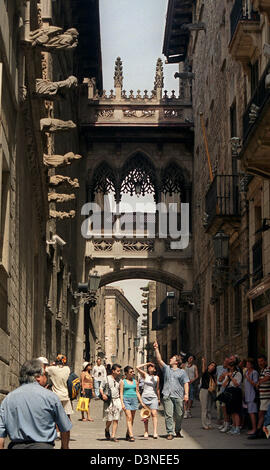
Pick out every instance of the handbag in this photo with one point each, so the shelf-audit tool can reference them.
(107, 392)
(212, 385)
(225, 396)
(83, 404)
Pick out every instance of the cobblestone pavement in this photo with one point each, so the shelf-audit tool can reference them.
(90, 435)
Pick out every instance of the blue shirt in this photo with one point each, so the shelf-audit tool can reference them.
(30, 413)
(174, 381)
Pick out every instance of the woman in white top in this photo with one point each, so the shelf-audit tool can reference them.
(150, 395)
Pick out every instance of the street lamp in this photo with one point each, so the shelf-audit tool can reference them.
(221, 245)
(87, 290)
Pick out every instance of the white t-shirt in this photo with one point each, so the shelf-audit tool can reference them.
(99, 373)
(59, 376)
(237, 376)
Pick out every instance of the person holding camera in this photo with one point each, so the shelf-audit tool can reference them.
(110, 394)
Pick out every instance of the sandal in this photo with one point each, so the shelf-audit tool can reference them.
(131, 439)
(127, 436)
(113, 439)
(155, 437)
(91, 419)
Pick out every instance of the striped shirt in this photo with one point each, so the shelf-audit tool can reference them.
(264, 388)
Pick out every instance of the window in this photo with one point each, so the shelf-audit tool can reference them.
(254, 76)
(233, 121)
(218, 318)
(226, 313)
(237, 310)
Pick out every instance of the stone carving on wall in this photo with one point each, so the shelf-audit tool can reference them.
(173, 113)
(102, 245)
(138, 113)
(253, 113)
(52, 38)
(55, 125)
(48, 90)
(60, 160)
(104, 113)
(138, 246)
(57, 180)
(56, 197)
(62, 215)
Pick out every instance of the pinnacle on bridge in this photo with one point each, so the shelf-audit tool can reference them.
(118, 73)
(159, 78)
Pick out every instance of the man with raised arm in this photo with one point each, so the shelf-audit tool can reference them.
(175, 392)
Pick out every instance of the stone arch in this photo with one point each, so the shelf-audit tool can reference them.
(104, 179)
(143, 273)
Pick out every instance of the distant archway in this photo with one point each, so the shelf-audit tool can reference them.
(143, 273)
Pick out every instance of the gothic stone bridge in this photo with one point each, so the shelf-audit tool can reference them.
(137, 143)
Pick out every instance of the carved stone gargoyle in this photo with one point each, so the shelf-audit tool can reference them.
(57, 180)
(62, 215)
(49, 90)
(55, 125)
(57, 197)
(52, 38)
(60, 160)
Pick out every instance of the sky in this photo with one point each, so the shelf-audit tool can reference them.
(134, 30)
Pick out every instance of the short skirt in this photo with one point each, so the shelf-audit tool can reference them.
(151, 403)
(131, 403)
(88, 393)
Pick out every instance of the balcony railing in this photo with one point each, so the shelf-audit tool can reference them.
(256, 104)
(222, 198)
(242, 11)
(257, 261)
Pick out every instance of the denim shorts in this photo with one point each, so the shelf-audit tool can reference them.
(191, 391)
(131, 403)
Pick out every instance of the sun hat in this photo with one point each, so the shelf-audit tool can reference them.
(145, 413)
(85, 364)
(44, 360)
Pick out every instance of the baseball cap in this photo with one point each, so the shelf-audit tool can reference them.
(44, 360)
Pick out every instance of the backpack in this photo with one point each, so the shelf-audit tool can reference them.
(73, 385)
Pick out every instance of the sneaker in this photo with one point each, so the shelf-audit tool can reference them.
(189, 414)
(178, 434)
(225, 428)
(221, 427)
(185, 415)
(231, 430)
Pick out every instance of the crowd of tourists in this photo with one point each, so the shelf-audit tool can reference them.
(39, 411)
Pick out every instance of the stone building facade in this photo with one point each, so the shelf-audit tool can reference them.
(223, 54)
(112, 330)
(39, 272)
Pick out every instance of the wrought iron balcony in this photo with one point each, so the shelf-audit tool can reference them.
(164, 314)
(242, 11)
(222, 202)
(256, 104)
(245, 31)
(257, 261)
(256, 143)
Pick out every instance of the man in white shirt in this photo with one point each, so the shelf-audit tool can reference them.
(100, 375)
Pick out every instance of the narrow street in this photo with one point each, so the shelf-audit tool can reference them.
(90, 435)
